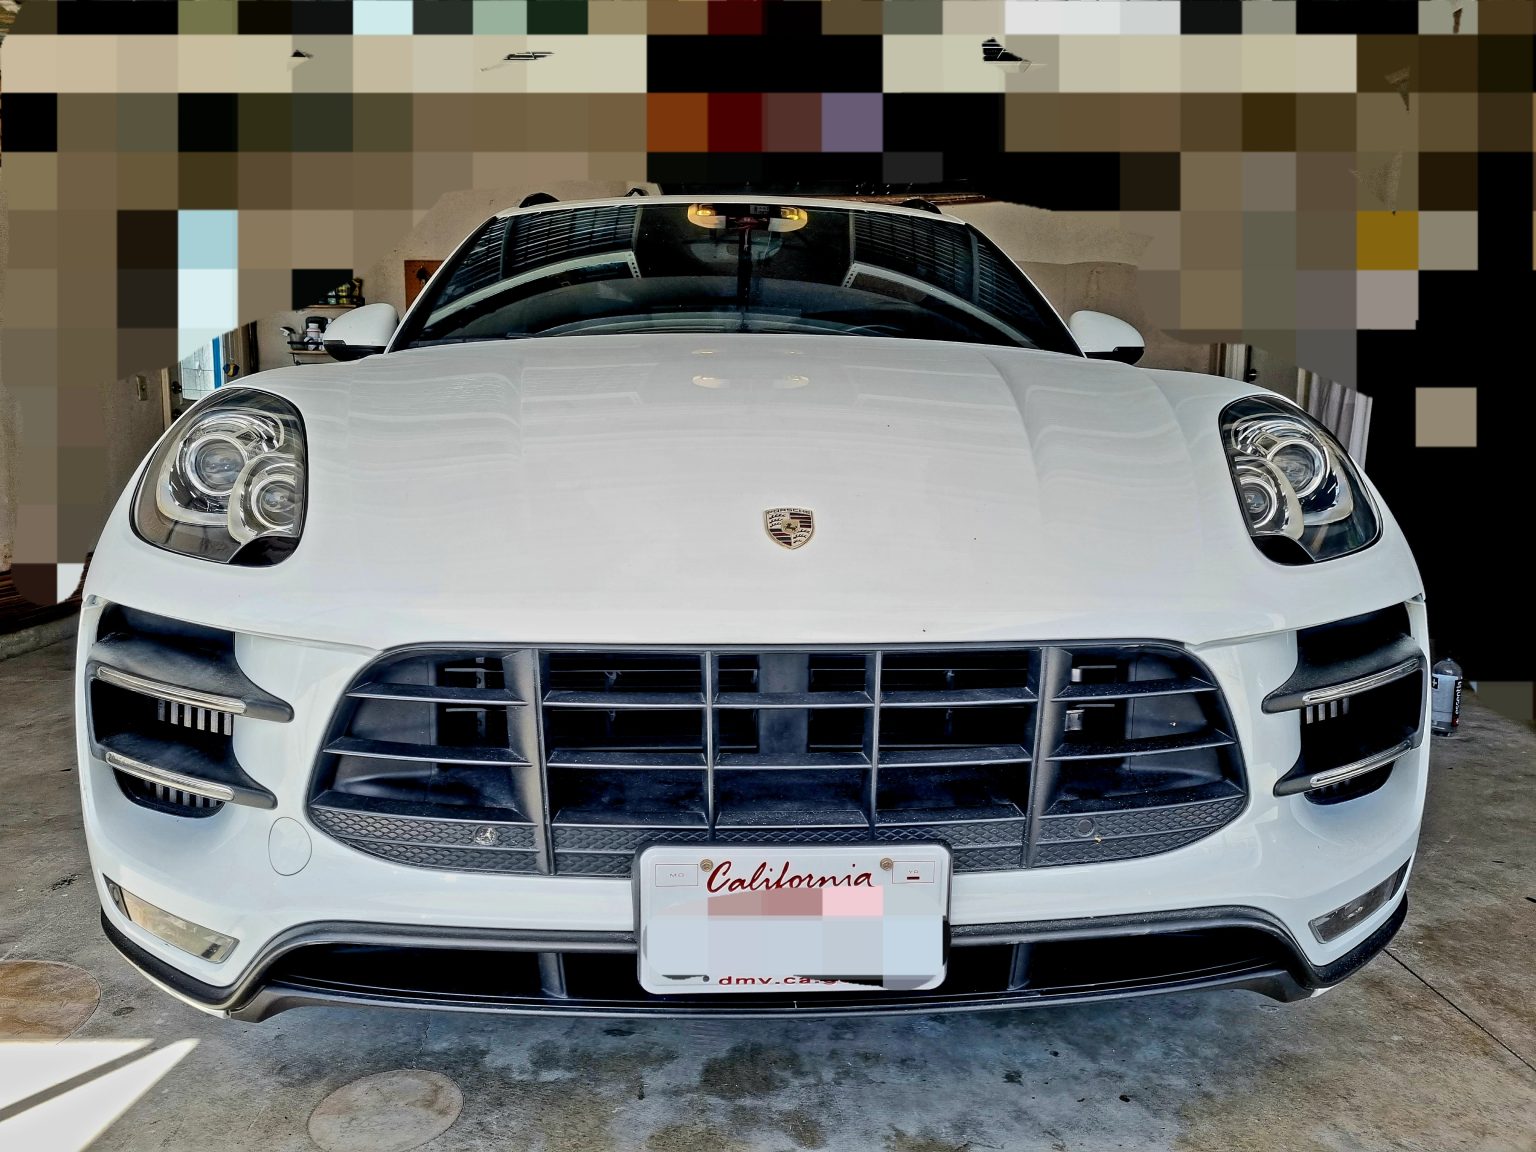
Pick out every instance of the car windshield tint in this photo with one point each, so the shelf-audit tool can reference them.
(733, 267)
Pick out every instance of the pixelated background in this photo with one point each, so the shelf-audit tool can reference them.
(1344, 186)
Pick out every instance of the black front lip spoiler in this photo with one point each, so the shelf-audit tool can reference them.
(255, 998)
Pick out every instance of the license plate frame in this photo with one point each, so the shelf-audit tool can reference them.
(733, 918)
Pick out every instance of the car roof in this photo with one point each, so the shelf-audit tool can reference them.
(731, 198)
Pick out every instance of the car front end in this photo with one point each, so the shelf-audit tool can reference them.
(550, 605)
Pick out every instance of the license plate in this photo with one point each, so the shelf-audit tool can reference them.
(793, 919)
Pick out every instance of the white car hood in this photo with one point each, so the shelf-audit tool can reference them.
(612, 490)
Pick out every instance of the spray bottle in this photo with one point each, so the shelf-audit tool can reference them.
(1445, 697)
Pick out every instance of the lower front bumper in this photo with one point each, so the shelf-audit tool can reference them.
(593, 973)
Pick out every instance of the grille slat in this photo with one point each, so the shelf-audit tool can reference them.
(970, 746)
(1120, 690)
(560, 758)
(782, 761)
(437, 694)
(794, 700)
(432, 753)
(956, 758)
(611, 700)
(961, 698)
(1150, 746)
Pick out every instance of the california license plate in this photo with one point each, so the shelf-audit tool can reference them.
(792, 919)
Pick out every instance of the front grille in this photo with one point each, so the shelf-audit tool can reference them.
(568, 761)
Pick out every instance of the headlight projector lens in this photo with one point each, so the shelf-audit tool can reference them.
(270, 500)
(212, 464)
(277, 504)
(1303, 463)
(1267, 498)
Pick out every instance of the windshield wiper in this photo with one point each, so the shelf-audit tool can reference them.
(473, 339)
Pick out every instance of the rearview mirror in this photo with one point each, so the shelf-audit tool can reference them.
(361, 332)
(1104, 337)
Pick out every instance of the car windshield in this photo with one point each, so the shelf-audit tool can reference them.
(732, 267)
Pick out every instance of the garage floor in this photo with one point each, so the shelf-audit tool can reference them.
(1432, 1046)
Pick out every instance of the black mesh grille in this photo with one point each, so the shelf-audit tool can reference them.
(569, 761)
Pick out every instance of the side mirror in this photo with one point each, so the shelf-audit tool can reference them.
(1103, 337)
(361, 332)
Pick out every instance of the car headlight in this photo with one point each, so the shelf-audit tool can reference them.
(227, 482)
(1298, 490)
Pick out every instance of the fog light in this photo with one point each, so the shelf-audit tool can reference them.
(178, 933)
(1346, 916)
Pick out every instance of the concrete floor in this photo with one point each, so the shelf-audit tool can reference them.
(1432, 1046)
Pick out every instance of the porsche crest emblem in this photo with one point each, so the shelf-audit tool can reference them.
(790, 527)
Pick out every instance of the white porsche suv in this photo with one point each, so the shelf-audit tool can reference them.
(752, 606)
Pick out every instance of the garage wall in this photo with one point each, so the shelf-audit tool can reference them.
(1080, 260)
(7, 419)
(1116, 289)
(125, 425)
(131, 426)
